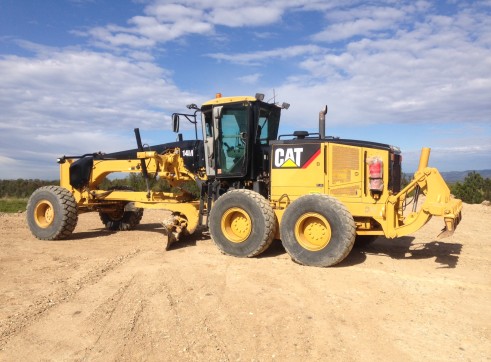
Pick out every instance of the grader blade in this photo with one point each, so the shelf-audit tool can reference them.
(174, 225)
(171, 237)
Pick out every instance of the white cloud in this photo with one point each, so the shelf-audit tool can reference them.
(164, 21)
(249, 15)
(384, 63)
(7, 161)
(73, 101)
(171, 12)
(250, 78)
(111, 36)
(260, 57)
(77, 85)
(471, 149)
(363, 21)
(436, 70)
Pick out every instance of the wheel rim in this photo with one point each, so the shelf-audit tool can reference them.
(236, 225)
(44, 214)
(313, 232)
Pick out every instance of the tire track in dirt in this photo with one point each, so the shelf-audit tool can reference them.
(17, 323)
(102, 317)
(197, 330)
(128, 309)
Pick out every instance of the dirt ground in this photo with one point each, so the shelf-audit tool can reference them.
(103, 296)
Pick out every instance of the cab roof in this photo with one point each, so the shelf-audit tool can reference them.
(225, 100)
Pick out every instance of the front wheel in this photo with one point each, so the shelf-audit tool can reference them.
(52, 213)
(242, 223)
(121, 220)
(317, 230)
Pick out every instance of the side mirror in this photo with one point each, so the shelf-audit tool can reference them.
(175, 122)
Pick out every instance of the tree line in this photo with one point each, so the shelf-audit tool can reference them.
(22, 189)
(473, 190)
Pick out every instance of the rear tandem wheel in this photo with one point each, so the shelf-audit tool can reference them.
(317, 230)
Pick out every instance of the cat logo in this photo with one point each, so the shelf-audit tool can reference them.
(187, 153)
(288, 157)
(295, 157)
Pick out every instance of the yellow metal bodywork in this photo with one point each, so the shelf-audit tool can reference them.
(342, 171)
(225, 100)
(337, 169)
(168, 165)
(437, 202)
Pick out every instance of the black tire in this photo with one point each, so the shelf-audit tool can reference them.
(317, 230)
(52, 213)
(242, 223)
(121, 220)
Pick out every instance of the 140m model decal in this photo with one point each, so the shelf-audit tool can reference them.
(298, 156)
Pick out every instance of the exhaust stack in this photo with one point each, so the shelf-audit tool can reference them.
(322, 123)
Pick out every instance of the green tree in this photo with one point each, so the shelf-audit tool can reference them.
(21, 188)
(474, 190)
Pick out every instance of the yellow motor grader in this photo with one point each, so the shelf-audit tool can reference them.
(315, 193)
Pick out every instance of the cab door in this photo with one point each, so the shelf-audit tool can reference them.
(232, 140)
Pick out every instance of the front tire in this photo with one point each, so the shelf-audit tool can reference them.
(52, 213)
(242, 223)
(317, 230)
(121, 220)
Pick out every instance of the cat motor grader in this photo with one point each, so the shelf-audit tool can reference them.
(315, 193)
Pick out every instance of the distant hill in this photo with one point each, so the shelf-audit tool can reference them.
(455, 176)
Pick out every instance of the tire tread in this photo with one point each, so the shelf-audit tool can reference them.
(268, 216)
(69, 212)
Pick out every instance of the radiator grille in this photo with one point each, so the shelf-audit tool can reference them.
(344, 160)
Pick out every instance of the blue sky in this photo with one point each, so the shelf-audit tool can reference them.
(76, 76)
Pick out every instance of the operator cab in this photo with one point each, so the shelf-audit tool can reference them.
(236, 134)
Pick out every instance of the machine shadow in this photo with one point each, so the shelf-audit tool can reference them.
(102, 232)
(189, 240)
(91, 234)
(275, 249)
(445, 254)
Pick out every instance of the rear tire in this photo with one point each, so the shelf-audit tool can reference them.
(242, 223)
(52, 213)
(317, 230)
